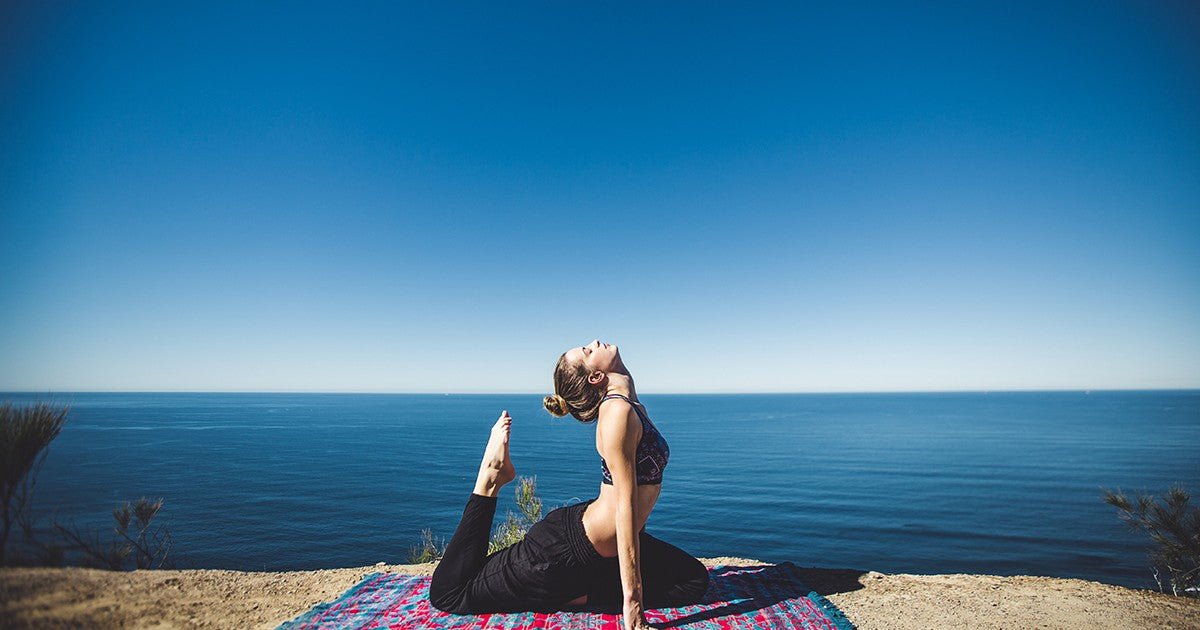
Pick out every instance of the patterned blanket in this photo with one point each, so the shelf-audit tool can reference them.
(738, 597)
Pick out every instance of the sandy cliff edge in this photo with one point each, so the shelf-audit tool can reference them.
(76, 597)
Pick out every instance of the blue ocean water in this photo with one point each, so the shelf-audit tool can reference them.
(1001, 483)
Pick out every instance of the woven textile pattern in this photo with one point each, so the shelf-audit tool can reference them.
(737, 597)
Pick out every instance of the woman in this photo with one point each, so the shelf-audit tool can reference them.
(596, 552)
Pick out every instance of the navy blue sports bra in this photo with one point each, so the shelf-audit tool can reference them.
(652, 451)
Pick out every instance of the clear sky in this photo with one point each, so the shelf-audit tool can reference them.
(442, 197)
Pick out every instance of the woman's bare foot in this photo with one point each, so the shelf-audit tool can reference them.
(496, 469)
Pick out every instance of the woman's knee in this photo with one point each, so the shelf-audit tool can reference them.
(445, 598)
(687, 584)
(695, 582)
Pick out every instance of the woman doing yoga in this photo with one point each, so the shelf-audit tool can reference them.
(596, 552)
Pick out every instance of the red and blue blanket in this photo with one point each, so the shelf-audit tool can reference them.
(768, 596)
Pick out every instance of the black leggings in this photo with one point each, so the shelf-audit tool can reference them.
(554, 564)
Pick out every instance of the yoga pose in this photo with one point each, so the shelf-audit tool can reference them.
(596, 552)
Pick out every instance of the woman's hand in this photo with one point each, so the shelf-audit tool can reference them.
(635, 618)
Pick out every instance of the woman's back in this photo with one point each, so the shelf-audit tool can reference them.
(599, 519)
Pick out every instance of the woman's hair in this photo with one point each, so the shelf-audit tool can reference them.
(573, 393)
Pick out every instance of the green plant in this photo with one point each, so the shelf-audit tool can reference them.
(514, 526)
(25, 436)
(509, 532)
(427, 550)
(1175, 530)
(150, 547)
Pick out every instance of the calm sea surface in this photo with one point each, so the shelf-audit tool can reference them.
(1006, 483)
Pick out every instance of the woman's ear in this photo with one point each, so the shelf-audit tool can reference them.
(597, 377)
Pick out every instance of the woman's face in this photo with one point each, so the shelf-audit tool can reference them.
(596, 356)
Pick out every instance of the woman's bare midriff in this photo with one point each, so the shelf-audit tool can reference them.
(600, 518)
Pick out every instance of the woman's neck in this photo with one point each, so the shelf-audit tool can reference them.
(621, 384)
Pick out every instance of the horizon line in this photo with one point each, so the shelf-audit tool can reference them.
(651, 392)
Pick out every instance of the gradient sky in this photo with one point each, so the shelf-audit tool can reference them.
(443, 197)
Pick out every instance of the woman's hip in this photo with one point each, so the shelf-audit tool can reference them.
(559, 539)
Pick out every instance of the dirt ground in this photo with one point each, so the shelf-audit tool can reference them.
(91, 598)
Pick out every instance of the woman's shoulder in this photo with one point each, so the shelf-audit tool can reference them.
(612, 406)
(617, 414)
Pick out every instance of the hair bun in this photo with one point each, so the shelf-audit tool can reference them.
(556, 405)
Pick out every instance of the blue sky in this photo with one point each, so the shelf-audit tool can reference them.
(445, 196)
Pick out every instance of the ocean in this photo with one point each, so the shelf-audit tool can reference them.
(999, 483)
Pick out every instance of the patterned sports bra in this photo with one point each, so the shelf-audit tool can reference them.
(652, 451)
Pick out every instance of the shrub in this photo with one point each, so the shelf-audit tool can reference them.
(427, 550)
(513, 529)
(148, 545)
(506, 534)
(1175, 530)
(25, 436)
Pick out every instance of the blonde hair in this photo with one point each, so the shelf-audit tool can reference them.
(573, 393)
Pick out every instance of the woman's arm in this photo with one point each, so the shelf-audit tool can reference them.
(619, 435)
